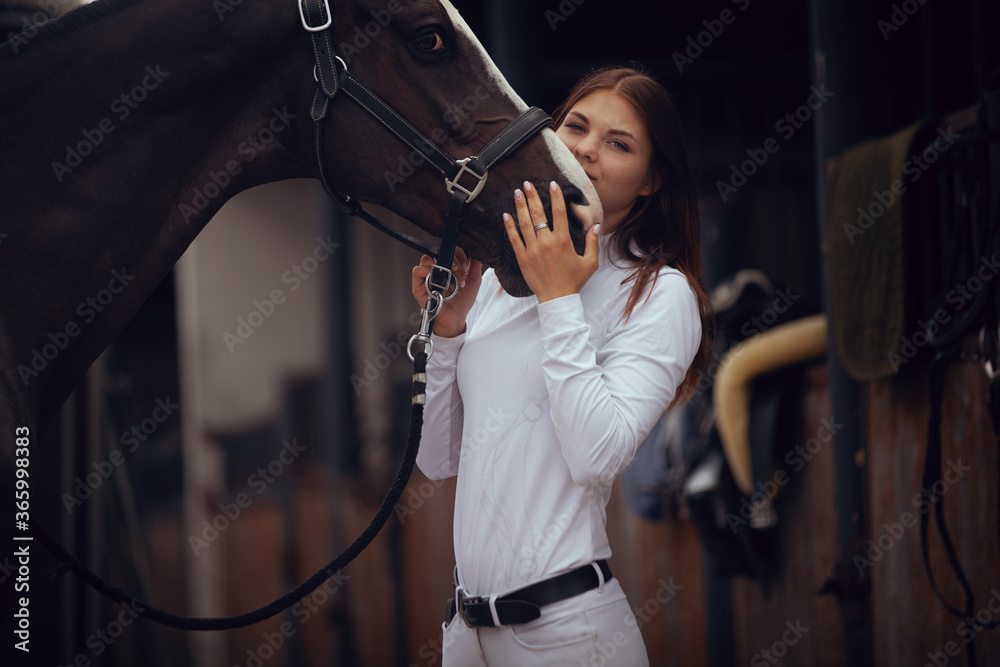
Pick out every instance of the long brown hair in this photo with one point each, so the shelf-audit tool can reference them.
(666, 225)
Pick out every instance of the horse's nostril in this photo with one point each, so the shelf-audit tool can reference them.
(573, 195)
(585, 214)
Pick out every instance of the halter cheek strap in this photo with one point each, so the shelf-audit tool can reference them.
(330, 80)
(458, 174)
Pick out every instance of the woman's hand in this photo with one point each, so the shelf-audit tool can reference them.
(548, 260)
(450, 320)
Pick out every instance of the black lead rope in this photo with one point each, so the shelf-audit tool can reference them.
(932, 475)
(146, 610)
(981, 312)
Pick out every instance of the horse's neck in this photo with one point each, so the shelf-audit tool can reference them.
(129, 133)
(173, 81)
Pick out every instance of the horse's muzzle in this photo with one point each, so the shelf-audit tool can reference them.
(580, 215)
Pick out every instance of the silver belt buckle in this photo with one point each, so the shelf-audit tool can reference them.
(460, 602)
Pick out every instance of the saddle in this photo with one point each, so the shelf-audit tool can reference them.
(689, 467)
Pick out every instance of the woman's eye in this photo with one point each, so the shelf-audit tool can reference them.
(575, 127)
(620, 146)
(430, 42)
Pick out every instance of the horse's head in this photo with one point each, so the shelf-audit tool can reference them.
(422, 59)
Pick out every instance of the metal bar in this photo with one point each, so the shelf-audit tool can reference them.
(843, 66)
(94, 514)
(201, 477)
(70, 586)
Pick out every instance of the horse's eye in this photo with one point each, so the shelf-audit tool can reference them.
(429, 41)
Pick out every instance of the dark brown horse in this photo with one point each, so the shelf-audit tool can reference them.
(127, 124)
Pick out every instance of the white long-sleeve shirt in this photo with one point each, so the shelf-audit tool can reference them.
(538, 407)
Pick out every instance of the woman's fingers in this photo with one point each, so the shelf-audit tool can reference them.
(535, 207)
(461, 267)
(560, 223)
(524, 220)
(515, 240)
(417, 286)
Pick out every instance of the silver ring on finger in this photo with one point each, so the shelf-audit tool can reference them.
(541, 225)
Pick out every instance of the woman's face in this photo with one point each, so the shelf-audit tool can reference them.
(605, 133)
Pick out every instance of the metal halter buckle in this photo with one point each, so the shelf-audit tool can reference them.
(432, 286)
(453, 184)
(305, 23)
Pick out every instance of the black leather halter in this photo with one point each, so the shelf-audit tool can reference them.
(317, 20)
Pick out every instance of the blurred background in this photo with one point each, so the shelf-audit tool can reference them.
(259, 437)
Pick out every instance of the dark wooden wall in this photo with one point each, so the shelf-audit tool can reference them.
(908, 622)
(354, 625)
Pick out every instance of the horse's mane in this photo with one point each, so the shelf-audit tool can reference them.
(79, 17)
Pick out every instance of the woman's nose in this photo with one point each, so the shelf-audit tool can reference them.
(585, 148)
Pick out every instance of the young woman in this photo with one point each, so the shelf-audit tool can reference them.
(538, 403)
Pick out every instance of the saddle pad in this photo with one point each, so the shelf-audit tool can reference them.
(867, 251)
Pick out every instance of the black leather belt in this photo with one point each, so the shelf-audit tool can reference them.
(525, 604)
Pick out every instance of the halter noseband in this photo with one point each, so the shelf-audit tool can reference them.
(317, 20)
